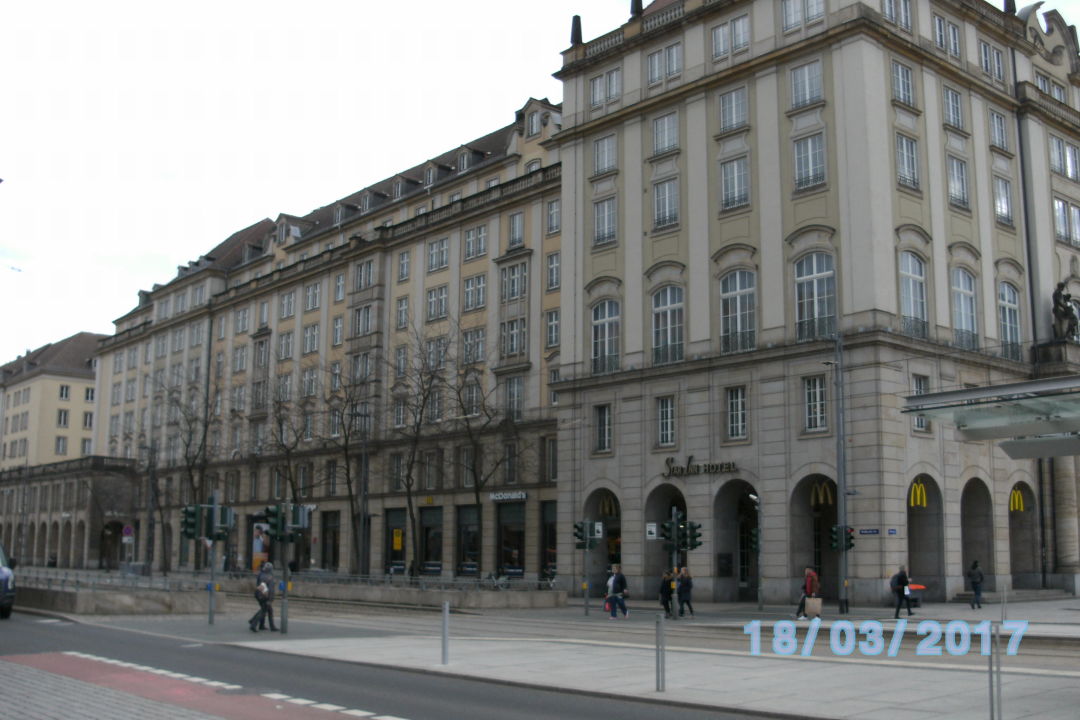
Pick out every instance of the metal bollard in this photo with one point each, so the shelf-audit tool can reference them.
(446, 632)
(997, 651)
(990, 675)
(660, 650)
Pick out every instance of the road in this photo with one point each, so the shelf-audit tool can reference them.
(38, 641)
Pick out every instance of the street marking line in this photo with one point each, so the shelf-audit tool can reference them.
(275, 696)
(300, 701)
(328, 706)
(231, 687)
(387, 717)
(357, 713)
(193, 679)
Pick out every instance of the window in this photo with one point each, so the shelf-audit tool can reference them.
(958, 187)
(551, 321)
(1003, 200)
(740, 33)
(311, 338)
(463, 161)
(262, 353)
(197, 293)
(920, 385)
(337, 330)
(1066, 222)
(737, 312)
(554, 215)
(1057, 91)
(964, 318)
(312, 292)
(815, 296)
(665, 133)
(1009, 320)
(475, 292)
(402, 316)
(401, 360)
(363, 277)
(86, 446)
(913, 315)
(532, 166)
(665, 63)
(553, 271)
(998, 134)
(61, 445)
(438, 256)
(666, 203)
(161, 343)
(339, 289)
(516, 231)
(436, 303)
(954, 113)
(513, 337)
(605, 336)
(665, 421)
(606, 87)
(515, 397)
(897, 11)
(88, 420)
(667, 325)
(62, 418)
(795, 10)
(473, 345)
(806, 84)
(240, 358)
(903, 89)
(604, 154)
(1064, 158)
(288, 304)
(65, 392)
(907, 162)
(196, 333)
(88, 396)
(814, 404)
(602, 414)
(514, 285)
(403, 265)
(733, 109)
(810, 161)
(553, 378)
(179, 333)
(285, 345)
(992, 61)
(475, 242)
(736, 413)
(735, 183)
(946, 36)
(532, 125)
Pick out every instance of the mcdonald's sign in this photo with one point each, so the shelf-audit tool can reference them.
(821, 494)
(917, 496)
(1016, 500)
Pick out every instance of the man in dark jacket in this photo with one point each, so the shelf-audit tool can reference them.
(616, 591)
(264, 594)
(899, 585)
(665, 592)
(975, 577)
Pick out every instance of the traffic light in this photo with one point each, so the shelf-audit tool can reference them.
(755, 540)
(275, 518)
(225, 521)
(849, 538)
(834, 537)
(579, 535)
(189, 521)
(692, 536)
(667, 530)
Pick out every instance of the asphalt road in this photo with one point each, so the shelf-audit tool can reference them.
(416, 696)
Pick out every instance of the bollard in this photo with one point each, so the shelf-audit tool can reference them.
(446, 632)
(990, 675)
(660, 660)
(997, 651)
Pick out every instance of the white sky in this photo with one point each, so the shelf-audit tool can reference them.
(136, 135)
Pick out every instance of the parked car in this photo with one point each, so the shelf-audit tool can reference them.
(7, 584)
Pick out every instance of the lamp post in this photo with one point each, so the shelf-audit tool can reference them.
(841, 468)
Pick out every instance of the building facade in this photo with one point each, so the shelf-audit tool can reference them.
(791, 214)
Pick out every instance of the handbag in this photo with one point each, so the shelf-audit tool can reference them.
(907, 590)
(813, 606)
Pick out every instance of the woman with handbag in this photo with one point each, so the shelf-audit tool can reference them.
(899, 585)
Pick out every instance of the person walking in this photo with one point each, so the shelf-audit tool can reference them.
(810, 587)
(617, 591)
(975, 577)
(898, 583)
(666, 592)
(686, 584)
(264, 594)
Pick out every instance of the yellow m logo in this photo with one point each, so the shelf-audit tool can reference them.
(1016, 500)
(821, 494)
(917, 497)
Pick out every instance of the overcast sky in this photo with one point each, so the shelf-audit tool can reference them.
(135, 136)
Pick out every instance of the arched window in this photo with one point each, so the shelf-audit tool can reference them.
(815, 297)
(605, 336)
(964, 319)
(737, 308)
(667, 325)
(913, 295)
(1009, 320)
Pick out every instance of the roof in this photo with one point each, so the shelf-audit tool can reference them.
(71, 356)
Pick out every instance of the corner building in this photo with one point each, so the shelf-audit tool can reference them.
(743, 184)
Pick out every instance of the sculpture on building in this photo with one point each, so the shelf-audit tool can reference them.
(1065, 320)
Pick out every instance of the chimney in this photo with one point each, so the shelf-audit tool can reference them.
(575, 30)
(635, 9)
(1010, 7)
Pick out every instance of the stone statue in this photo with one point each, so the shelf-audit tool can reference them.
(1065, 320)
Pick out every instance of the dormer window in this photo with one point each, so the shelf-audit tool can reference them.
(532, 124)
(398, 187)
(365, 203)
(532, 166)
(463, 161)
(339, 214)
(429, 176)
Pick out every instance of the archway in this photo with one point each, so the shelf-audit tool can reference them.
(53, 558)
(926, 537)
(1024, 537)
(658, 510)
(28, 546)
(735, 518)
(66, 550)
(603, 506)
(41, 548)
(78, 559)
(109, 557)
(977, 531)
(813, 514)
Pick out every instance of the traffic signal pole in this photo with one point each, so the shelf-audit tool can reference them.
(210, 532)
(676, 541)
(841, 470)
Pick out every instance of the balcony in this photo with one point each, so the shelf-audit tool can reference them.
(914, 327)
(604, 364)
(815, 328)
(965, 340)
(667, 353)
(1011, 351)
(737, 342)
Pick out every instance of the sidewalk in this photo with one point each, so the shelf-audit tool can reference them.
(564, 649)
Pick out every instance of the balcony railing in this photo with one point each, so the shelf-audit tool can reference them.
(737, 342)
(914, 327)
(604, 42)
(1011, 351)
(908, 180)
(809, 180)
(666, 220)
(815, 328)
(605, 364)
(668, 14)
(965, 340)
(668, 353)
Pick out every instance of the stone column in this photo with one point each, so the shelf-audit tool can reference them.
(1067, 532)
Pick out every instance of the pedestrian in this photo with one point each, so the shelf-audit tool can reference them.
(975, 576)
(898, 583)
(810, 587)
(264, 594)
(686, 584)
(665, 592)
(617, 592)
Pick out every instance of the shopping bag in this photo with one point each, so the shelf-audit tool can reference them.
(813, 607)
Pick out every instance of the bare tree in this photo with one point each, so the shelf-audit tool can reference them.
(292, 423)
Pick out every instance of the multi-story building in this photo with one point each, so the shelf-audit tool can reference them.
(765, 194)
(386, 358)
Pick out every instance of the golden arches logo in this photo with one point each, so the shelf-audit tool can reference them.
(1016, 500)
(917, 496)
(821, 494)
(608, 506)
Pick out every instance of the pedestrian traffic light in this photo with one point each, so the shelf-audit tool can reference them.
(189, 521)
(581, 534)
(755, 539)
(275, 518)
(667, 530)
(834, 537)
(849, 538)
(692, 536)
